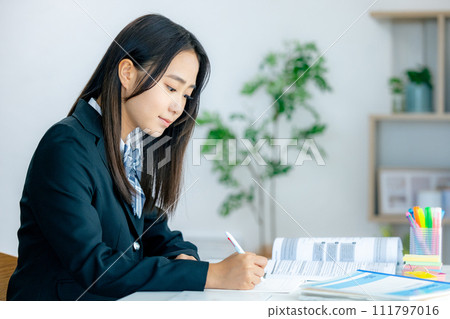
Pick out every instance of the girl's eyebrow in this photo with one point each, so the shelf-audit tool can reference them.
(177, 78)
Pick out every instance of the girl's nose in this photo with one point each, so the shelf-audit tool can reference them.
(175, 107)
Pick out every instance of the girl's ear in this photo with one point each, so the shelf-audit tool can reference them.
(127, 75)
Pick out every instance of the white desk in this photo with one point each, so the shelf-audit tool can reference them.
(230, 295)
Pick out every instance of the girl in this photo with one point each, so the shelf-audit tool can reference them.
(99, 186)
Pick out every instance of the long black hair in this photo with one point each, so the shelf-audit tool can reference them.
(151, 42)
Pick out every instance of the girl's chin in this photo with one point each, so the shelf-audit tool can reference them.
(154, 133)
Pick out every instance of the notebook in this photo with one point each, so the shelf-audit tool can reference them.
(369, 285)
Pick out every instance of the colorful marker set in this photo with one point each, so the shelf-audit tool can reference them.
(431, 217)
(426, 230)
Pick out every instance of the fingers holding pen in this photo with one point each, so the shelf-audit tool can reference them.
(241, 270)
(259, 272)
(261, 261)
(238, 271)
(251, 272)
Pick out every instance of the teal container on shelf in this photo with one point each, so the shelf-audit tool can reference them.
(418, 98)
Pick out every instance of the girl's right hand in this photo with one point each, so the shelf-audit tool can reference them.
(238, 271)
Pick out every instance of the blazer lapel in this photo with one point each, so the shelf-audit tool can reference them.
(132, 220)
(91, 120)
(101, 150)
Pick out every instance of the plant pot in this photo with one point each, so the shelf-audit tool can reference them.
(398, 103)
(418, 98)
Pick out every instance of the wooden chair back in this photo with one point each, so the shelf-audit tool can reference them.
(8, 264)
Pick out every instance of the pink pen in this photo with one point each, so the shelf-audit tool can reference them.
(411, 220)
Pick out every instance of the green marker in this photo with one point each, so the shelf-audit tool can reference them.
(428, 218)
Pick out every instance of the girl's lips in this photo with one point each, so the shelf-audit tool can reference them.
(165, 122)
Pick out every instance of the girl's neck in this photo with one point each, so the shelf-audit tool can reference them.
(126, 128)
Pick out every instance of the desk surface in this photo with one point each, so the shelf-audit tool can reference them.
(230, 295)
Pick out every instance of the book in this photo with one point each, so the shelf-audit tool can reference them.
(369, 285)
(327, 257)
(296, 260)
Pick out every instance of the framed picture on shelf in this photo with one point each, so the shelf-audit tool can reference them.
(399, 188)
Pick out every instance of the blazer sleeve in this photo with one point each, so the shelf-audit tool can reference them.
(61, 187)
(159, 240)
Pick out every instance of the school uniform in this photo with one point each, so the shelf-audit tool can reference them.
(77, 233)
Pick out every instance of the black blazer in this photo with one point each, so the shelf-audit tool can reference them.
(76, 230)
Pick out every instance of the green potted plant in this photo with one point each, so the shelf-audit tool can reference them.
(419, 91)
(397, 91)
(287, 78)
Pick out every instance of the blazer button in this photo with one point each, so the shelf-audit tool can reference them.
(136, 246)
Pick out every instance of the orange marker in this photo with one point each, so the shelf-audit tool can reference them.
(416, 215)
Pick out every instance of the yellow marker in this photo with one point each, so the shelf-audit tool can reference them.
(421, 218)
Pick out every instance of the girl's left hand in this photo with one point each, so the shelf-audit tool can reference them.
(187, 257)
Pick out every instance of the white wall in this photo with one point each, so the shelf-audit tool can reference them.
(50, 49)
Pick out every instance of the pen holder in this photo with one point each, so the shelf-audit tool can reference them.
(425, 241)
